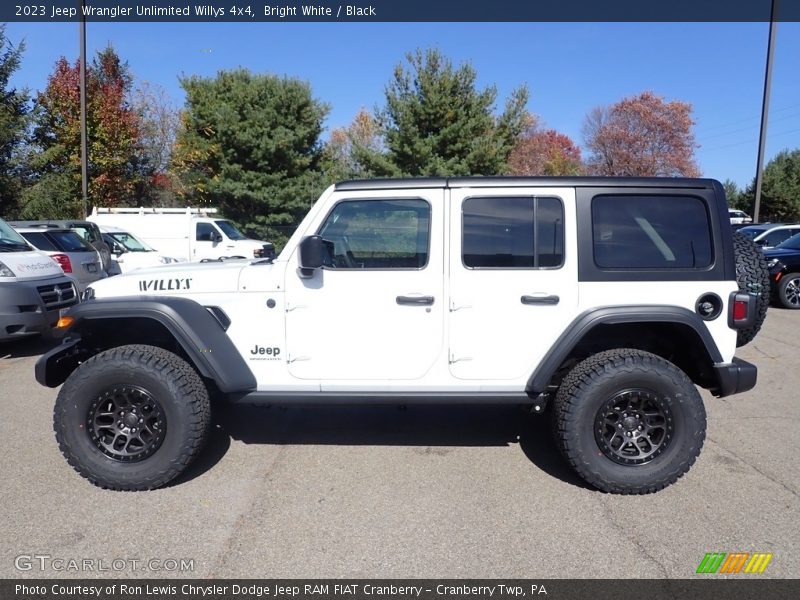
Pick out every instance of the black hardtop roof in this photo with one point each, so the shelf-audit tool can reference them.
(461, 182)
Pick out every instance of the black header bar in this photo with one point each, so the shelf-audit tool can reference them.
(400, 11)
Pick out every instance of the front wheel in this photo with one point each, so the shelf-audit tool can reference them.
(629, 422)
(789, 291)
(132, 418)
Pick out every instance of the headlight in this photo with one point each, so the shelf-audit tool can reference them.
(5, 271)
(772, 262)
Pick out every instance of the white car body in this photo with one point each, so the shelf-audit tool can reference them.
(188, 234)
(739, 217)
(346, 330)
(128, 253)
(773, 236)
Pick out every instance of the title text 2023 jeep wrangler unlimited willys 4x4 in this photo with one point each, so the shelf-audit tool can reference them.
(608, 299)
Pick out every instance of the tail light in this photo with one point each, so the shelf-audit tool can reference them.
(63, 261)
(742, 310)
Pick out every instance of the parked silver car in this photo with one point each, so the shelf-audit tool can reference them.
(78, 259)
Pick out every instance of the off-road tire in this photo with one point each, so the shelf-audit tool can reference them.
(180, 393)
(787, 299)
(752, 275)
(586, 390)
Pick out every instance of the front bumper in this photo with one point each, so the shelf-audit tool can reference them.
(32, 307)
(734, 377)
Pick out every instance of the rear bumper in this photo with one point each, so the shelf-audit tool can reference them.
(735, 377)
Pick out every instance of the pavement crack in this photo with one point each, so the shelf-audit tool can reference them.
(755, 468)
(626, 533)
(241, 521)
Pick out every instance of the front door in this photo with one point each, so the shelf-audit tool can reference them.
(513, 273)
(376, 310)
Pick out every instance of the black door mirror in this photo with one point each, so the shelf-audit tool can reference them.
(311, 255)
(216, 237)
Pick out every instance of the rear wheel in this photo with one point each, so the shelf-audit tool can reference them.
(132, 418)
(629, 422)
(789, 291)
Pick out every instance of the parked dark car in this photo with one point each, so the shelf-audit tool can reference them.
(86, 229)
(784, 272)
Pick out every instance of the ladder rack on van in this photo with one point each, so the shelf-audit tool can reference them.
(142, 210)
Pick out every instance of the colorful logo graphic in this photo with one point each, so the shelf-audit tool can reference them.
(734, 562)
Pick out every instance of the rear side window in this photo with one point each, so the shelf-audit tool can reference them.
(40, 241)
(513, 232)
(69, 241)
(651, 232)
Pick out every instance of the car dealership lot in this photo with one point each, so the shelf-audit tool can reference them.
(422, 492)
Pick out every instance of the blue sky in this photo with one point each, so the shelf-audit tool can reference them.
(569, 68)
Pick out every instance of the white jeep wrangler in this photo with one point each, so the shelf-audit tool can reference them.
(601, 301)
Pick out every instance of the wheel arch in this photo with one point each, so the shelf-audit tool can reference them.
(180, 325)
(674, 333)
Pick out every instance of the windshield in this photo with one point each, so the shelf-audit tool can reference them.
(130, 243)
(10, 240)
(230, 230)
(793, 243)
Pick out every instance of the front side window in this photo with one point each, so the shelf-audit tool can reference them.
(651, 232)
(513, 232)
(377, 234)
(205, 232)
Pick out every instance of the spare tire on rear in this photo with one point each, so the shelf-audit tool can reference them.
(752, 275)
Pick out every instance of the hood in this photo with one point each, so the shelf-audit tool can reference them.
(174, 279)
(30, 264)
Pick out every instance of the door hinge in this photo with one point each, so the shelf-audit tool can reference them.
(454, 307)
(454, 359)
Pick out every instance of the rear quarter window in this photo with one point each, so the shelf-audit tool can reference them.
(651, 232)
(69, 241)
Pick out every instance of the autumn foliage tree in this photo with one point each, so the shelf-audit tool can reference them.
(115, 160)
(545, 152)
(641, 136)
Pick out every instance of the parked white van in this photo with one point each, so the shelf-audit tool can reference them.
(34, 292)
(191, 234)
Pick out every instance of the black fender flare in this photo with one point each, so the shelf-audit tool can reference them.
(613, 315)
(199, 333)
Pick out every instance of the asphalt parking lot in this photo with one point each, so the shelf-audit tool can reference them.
(422, 492)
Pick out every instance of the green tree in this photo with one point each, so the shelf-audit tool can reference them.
(780, 190)
(14, 118)
(734, 195)
(437, 122)
(249, 144)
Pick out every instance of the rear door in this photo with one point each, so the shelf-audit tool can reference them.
(513, 274)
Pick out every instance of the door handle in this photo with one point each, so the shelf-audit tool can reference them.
(543, 299)
(415, 300)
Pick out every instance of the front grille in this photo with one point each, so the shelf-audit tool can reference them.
(58, 295)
